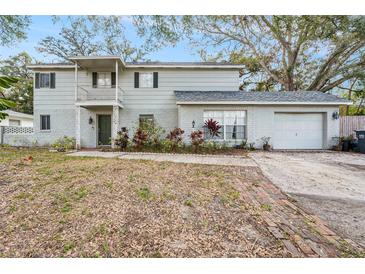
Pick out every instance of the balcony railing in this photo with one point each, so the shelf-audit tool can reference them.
(99, 93)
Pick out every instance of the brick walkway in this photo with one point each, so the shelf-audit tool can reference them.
(302, 234)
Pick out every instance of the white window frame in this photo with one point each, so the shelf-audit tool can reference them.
(222, 118)
(144, 82)
(106, 79)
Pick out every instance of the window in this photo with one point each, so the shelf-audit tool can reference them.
(14, 123)
(145, 118)
(45, 80)
(45, 122)
(233, 124)
(146, 80)
(104, 79)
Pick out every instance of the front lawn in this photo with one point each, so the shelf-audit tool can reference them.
(53, 205)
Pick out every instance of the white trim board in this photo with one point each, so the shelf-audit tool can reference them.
(259, 103)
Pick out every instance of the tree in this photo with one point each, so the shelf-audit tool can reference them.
(20, 92)
(280, 52)
(91, 35)
(5, 83)
(12, 29)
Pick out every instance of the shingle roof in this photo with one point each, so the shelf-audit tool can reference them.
(263, 97)
(181, 63)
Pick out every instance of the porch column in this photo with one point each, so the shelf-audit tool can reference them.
(115, 123)
(78, 127)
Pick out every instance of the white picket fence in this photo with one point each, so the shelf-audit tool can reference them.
(350, 123)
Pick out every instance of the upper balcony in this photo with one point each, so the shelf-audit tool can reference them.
(103, 88)
(88, 95)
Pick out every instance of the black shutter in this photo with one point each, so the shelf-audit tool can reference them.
(48, 122)
(53, 80)
(95, 79)
(37, 80)
(155, 80)
(136, 79)
(113, 79)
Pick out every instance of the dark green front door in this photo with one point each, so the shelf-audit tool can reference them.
(105, 129)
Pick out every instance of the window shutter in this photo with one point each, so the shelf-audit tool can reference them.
(155, 80)
(113, 79)
(37, 80)
(48, 122)
(95, 79)
(136, 79)
(53, 80)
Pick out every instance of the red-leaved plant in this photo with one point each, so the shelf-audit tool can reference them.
(196, 139)
(139, 138)
(213, 127)
(175, 136)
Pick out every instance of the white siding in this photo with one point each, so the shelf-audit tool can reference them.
(60, 102)
(260, 120)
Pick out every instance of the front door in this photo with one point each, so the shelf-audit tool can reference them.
(104, 129)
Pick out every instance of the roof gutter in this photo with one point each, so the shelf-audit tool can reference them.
(260, 103)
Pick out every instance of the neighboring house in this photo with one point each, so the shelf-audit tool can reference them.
(94, 97)
(17, 119)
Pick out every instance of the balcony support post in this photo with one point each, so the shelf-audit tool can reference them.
(76, 81)
(115, 124)
(116, 81)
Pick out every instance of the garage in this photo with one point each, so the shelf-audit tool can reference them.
(298, 131)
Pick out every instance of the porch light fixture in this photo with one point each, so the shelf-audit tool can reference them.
(335, 115)
(193, 123)
(91, 120)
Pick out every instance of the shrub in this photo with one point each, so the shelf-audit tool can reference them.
(153, 132)
(196, 139)
(64, 143)
(266, 143)
(139, 138)
(175, 137)
(213, 128)
(122, 139)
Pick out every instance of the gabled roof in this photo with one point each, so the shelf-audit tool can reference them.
(249, 97)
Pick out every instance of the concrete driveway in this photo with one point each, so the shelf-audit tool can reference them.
(329, 184)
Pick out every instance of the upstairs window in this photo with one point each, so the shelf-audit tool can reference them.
(45, 122)
(103, 79)
(45, 80)
(146, 80)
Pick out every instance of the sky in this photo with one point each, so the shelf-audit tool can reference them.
(43, 26)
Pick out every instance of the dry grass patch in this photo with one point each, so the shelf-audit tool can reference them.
(60, 206)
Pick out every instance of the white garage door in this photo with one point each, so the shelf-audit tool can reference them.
(298, 131)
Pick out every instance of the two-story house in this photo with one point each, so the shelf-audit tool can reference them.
(93, 97)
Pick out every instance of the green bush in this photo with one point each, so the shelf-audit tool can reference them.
(153, 132)
(64, 143)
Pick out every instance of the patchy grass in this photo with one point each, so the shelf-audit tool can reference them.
(60, 206)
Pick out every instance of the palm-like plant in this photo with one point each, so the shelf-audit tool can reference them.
(213, 127)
